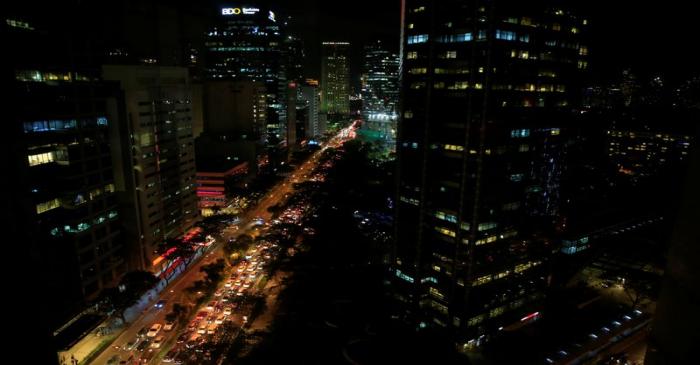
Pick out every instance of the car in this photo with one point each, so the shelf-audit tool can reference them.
(182, 338)
(142, 346)
(202, 329)
(168, 326)
(219, 319)
(142, 332)
(201, 315)
(228, 310)
(228, 284)
(154, 330)
(160, 304)
(157, 342)
(219, 293)
(211, 305)
(170, 356)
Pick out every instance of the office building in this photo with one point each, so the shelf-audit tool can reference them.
(156, 169)
(63, 215)
(380, 90)
(486, 88)
(311, 100)
(335, 78)
(247, 43)
(215, 182)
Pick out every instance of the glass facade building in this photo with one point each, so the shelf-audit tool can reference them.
(486, 87)
(248, 43)
(335, 78)
(380, 90)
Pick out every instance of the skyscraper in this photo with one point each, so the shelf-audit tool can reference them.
(247, 43)
(380, 90)
(65, 225)
(486, 87)
(311, 100)
(335, 78)
(156, 170)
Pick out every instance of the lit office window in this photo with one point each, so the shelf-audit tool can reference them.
(41, 158)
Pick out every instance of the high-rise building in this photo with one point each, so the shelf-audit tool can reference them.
(309, 96)
(335, 78)
(156, 171)
(64, 220)
(674, 336)
(486, 87)
(247, 43)
(380, 90)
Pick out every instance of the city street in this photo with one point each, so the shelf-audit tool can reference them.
(126, 346)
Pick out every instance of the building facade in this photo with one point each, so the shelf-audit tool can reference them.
(380, 90)
(156, 169)
(335, 78)
(485, 89)
(311, 100)
(247, 43)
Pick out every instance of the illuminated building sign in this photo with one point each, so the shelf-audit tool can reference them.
(239, 11)
(271, 16)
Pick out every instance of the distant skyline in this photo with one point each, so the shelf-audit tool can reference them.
(648, 37)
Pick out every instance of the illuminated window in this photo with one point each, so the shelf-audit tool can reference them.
(556, 27)
(446, 216)
(455, 38)
(481, 280)
(418, 70)
(415, 39)
(412, 55)
(476, 320)
(496, 311)
(505, 35)
(438, 306)
(419, 9)
(446, 232)
(417, 85)
(583, 51)
(408, 114)
(436, 293)
(524, 38)
(452, 147)
(486, 226)
(410, 26)
(520, 133)
(451, 54)
(523, 148)
(41, 158)
(46, 206)
(582, 65)
(404, 276)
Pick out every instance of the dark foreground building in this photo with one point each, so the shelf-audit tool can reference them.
(486, 87)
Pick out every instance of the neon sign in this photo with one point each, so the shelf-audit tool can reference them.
(239, 11)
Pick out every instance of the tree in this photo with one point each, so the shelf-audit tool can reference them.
(130, 289)
(213, 271)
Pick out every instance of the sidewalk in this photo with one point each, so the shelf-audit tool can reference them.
(92, 343)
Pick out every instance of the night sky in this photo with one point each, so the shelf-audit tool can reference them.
(648, 36)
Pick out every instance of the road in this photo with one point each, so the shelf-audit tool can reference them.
(175, 291)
